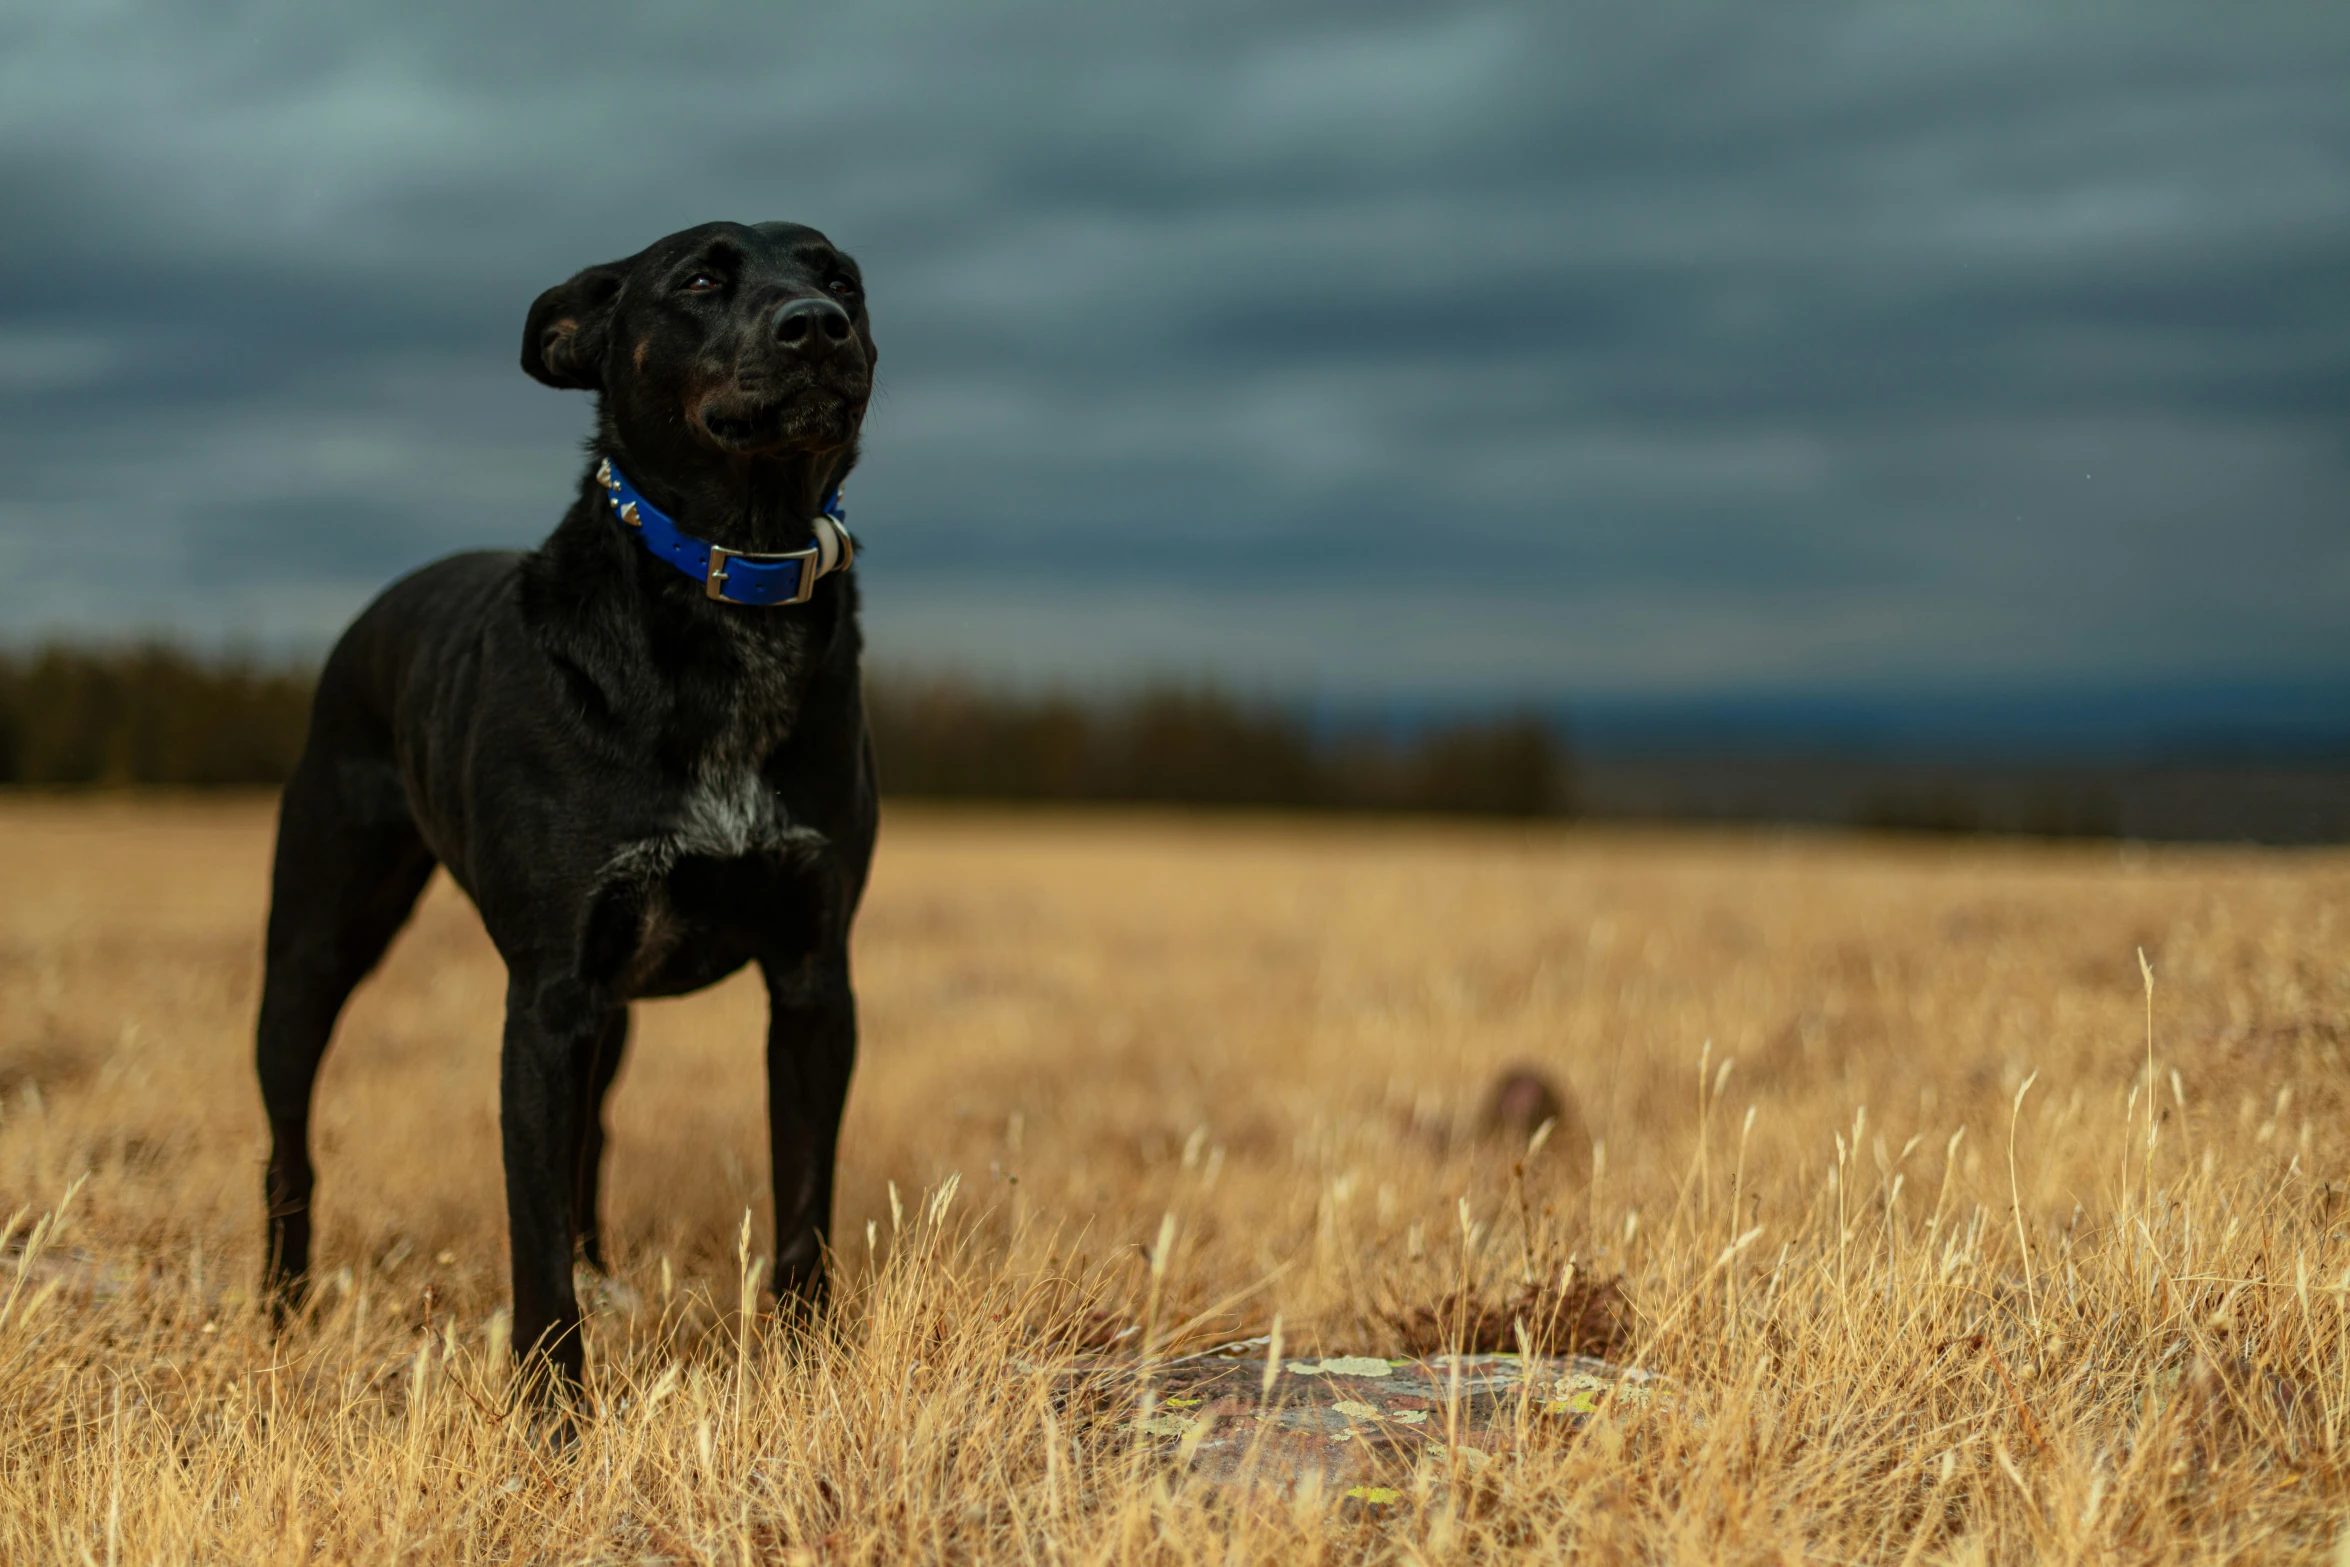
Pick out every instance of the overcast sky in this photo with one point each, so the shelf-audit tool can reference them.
(1349, 350)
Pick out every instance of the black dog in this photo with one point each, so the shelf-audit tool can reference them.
(643, 778)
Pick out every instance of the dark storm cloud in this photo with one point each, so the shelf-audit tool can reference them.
(1533, 348)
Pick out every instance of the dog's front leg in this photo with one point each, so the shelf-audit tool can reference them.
(811, 1050)
(551, 1028)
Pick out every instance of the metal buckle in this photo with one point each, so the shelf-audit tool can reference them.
(714, 580)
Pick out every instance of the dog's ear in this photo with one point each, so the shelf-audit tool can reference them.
(563, 341)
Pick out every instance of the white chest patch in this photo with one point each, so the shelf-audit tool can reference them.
(728, 815)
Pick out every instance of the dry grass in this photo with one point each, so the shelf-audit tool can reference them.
(2044, 1338)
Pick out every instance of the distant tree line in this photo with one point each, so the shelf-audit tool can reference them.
(1197, 745)
(155, 714)
(151, 714)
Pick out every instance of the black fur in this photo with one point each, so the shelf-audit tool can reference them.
(641, 789)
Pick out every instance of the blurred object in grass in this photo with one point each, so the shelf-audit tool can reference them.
(1560, 1316)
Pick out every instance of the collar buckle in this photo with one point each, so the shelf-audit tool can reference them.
(714, 578)
(832, 551)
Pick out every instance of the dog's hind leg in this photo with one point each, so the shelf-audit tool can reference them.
(343, 883)
(811, 1051)
(596, 1074)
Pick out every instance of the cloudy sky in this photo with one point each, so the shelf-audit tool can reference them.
(1611, 349)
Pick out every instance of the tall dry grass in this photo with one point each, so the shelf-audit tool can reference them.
(1946, 1257)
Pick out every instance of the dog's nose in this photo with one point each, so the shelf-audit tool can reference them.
(812, 327)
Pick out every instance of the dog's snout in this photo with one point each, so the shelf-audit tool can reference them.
(812, 327)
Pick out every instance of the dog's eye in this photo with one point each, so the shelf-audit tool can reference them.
(701, 283)
(842, 288)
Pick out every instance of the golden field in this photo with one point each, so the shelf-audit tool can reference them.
(1872, 1156)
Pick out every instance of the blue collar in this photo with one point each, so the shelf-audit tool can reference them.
(732, 576)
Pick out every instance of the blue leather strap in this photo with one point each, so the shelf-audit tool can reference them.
(732, 576)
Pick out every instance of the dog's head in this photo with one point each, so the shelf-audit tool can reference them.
(744, 341)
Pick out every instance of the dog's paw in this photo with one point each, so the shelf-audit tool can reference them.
(600, 1292)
